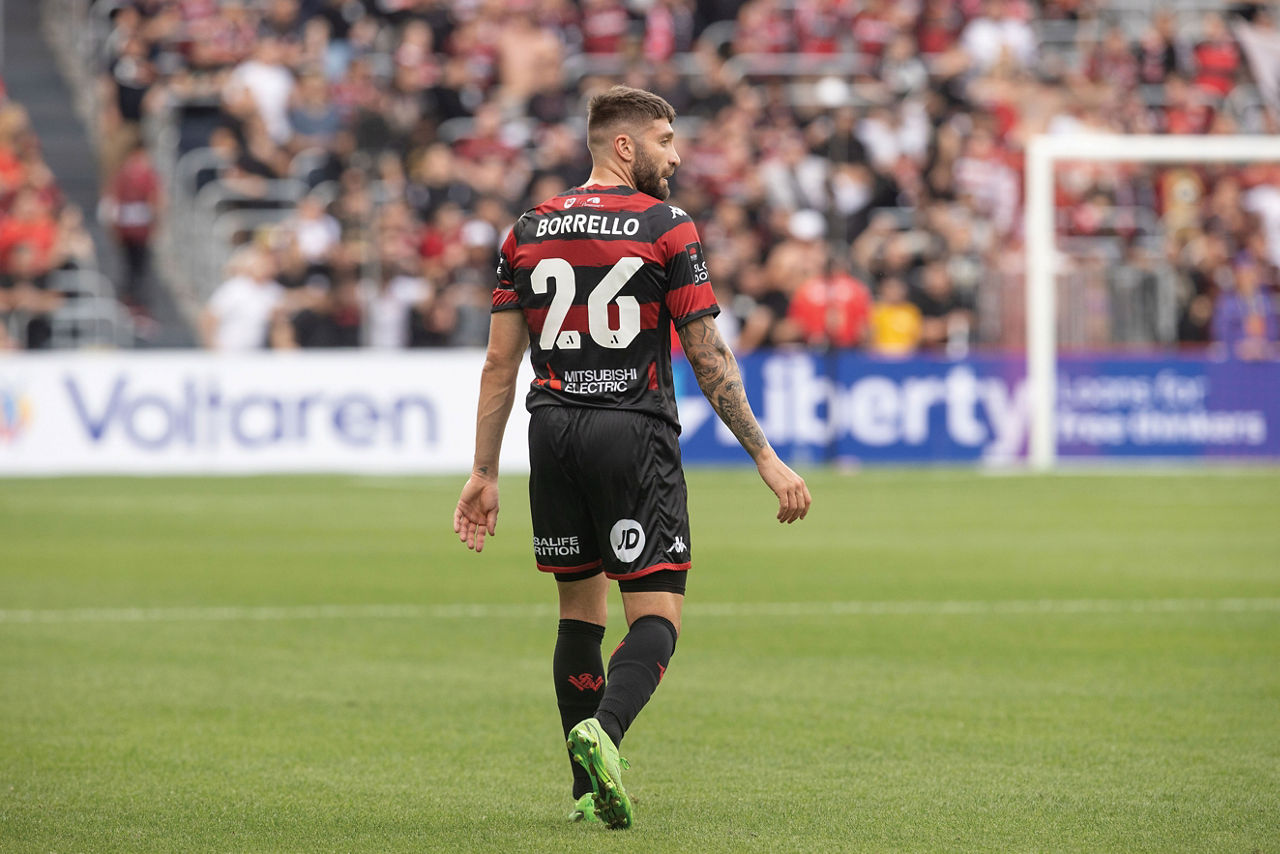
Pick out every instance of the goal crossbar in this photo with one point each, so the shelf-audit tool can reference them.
(1043, 154)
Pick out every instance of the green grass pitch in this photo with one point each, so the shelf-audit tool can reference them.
(933, 661)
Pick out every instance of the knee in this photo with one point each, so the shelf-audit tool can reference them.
(586, 612)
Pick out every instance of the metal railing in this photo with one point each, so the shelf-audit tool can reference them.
(90, 316)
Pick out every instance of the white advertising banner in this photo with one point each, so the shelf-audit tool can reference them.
(173, 412)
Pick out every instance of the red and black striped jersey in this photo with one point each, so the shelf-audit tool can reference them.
(600, 274)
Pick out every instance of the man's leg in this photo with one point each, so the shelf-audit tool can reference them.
(635, 669)
(577, 664)
(638, 664)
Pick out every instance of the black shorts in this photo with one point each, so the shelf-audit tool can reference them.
(607, 493)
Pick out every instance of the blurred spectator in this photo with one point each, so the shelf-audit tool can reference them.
(1156, 52)
(316, 232)
(1217, 58)
(982, 175)
(26, 300)
(74, 249)
(247, 311)
(1195, 324)
(131, 205)
(1244, 320)
(831, 309)
(895, 321)
(945, 318)
(29, 224)
(998, 35)
(313, 118)
(125, 85)
(901, 69)
(263, 85)
(1263, 200)
(396, 296)
(794, 178)
(1186, 109)
(1114, 63)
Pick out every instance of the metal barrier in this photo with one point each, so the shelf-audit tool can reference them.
(90, 316)
(91, 322)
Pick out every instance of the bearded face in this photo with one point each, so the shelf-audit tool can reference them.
(649, 177)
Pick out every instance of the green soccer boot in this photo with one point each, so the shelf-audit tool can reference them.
(594, 750)
(585, 809)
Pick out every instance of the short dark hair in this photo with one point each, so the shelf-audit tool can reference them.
(623, 105)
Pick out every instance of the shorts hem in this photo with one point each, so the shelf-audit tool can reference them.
(657, 567)
(542, 567)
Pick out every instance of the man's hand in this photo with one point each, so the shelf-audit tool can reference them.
(793, 495)
(477, 512)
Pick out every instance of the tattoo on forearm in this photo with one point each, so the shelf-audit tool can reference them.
(718, 377)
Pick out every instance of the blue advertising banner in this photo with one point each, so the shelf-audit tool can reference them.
(847, 407)
(1179, 407)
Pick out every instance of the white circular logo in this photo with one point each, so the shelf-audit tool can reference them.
(627, 539)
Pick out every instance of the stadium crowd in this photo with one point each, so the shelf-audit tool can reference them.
(854, 166)
(40, 233)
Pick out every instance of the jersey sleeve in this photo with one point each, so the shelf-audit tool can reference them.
(689, 293)
(504, 292)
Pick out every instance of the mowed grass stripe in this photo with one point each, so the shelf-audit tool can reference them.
(708, 609)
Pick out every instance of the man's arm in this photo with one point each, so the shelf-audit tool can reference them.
(477, 511)
(721, 382)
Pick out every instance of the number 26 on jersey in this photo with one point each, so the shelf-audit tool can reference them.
(558, 276)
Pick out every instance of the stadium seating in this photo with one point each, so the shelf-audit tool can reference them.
(446, 120)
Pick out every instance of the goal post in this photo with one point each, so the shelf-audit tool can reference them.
(1044, 153)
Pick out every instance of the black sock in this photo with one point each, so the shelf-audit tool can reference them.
(579, 675)
(635, 669)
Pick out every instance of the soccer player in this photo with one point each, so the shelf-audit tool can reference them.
(591, 281)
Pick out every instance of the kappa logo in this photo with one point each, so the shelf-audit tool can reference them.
(678, 546)
(588, 682)
(15, 414)
(627, 539)
(676, 212)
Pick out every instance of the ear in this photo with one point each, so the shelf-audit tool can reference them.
(624, 147)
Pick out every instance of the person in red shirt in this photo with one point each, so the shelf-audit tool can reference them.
(29, 222)
(831, 309)
(1217, 59)
(131, 205)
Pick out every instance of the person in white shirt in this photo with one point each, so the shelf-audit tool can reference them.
(390, 306)
(317, 232)
(268, 84)
(246, 312)
(998, 33)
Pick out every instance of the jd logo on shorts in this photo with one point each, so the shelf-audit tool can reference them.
(627, 539)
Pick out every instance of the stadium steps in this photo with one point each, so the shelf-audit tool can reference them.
(33, 79)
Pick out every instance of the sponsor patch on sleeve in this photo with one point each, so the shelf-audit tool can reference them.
(698, 261)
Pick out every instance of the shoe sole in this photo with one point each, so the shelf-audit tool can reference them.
(613, 807)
